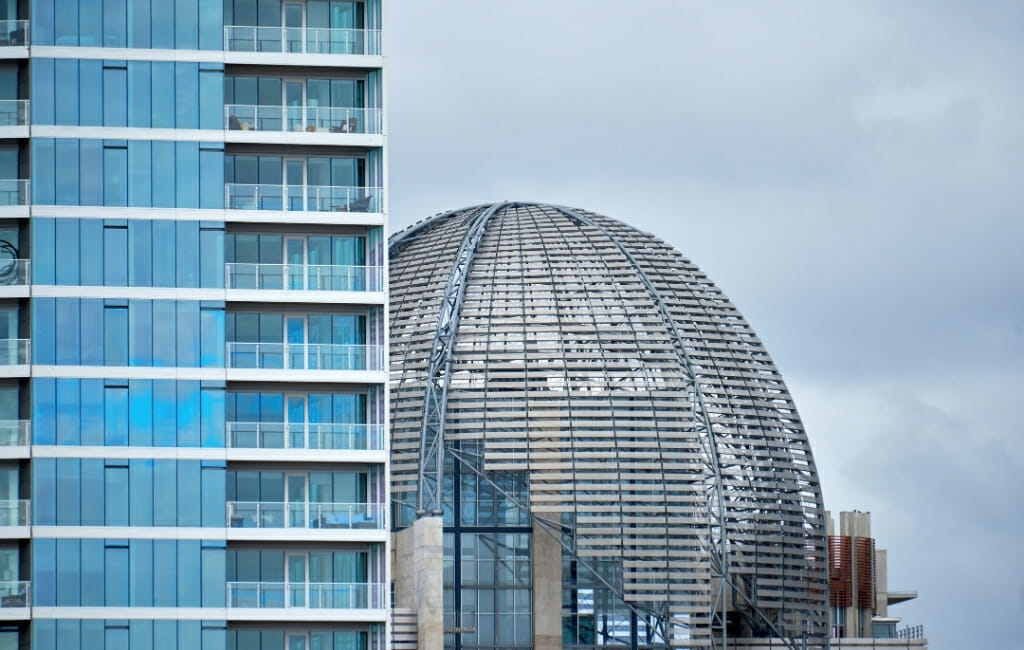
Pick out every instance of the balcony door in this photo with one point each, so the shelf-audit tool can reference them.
(294, 94)
(294, 19)
(295, 341)
(295, 413)
(295, 183)
(296, 259)
(297, 580)
(297, 641)
(296, 491)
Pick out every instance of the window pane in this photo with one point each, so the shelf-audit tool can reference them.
(115, 176)
(115, 95)
(115, 336)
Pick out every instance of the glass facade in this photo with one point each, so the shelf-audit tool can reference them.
(190, 372)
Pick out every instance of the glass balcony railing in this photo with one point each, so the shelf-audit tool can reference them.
(314, 595)
(14, 191)
(15, 512)
(298, 356)
(14, 352)
(305, 435)
(243, 117)
(15, 433)
(13, 32)
(13, 112)
(14, 272)
(272, 514)
(301, 277)
(311, 198)
(301, 40)
(15, 593)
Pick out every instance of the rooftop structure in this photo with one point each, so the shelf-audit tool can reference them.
(590, 445)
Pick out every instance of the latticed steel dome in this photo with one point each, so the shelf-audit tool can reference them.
(650, 432)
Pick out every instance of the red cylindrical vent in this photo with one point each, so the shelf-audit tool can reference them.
(840, 571)
(865, 572)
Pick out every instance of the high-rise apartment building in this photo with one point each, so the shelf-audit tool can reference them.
(192, 304)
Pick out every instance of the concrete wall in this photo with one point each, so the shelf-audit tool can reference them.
(547, 590)
(418, 571)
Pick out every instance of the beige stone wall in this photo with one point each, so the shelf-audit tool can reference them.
(418, 570)
(547, 590)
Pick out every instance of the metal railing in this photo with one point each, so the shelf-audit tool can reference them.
(301, 277)
(301, 40)
(313, 119)
(14, 191)
(13, 112)
(313, 595)
(14, 352)
(15, 593)
(275, 514)
(13, 32)
(310, 198)
(305, 435)
(15, 512)
(14, 272)
(309, 356)
(15, 433)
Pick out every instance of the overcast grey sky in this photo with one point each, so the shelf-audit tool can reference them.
(849, 174)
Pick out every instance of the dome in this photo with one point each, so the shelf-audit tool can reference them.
(588, 374)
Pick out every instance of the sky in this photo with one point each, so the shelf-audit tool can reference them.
(850, 174)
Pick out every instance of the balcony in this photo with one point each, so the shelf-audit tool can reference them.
(244, 117)
(301, 40)
(313, 595)
(14, 191)
(15, 33)
(271, 514)
(310, 198)
(16, 593)
(13, 112)
(14, 352)
(299, 356)
(300, 277)
(14, 272)
(15, 433)
(15, 512)
(303, 435)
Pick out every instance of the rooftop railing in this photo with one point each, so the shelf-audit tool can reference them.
(301, 40)
(14, 191)
(15, 433)
(313, 595)
(15, 512)
(13, 112)
(15, 593)
(310, 198)
(14, 352)
(302, 277)
(13, 32)
(305, 435)
(311, 356)
(312, 119)
(274, 514)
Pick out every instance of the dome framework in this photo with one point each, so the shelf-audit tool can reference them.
(650, 425)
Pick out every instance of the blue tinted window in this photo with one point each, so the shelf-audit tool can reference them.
(163, 94)
(69, 421)
(44, 410)
(91, 167)
(165, 324)
(143, 330)
(93, 493)
(211, 176)
(188, 417)
(139, 173)
(68, 344)
(186, 93)
(43, 330)
(66, 20)
(92, 332)
(115, 256)
(115, 176)
(67, 152)
(90, 74)
(115, 93)
(43, 250)
(189, 482)
(165, 501)
(141, 492)
(43, 181)
(69, 562)
(115, 414)
(140, 411)
(116, 495)
(163, 169)
(212, 417)
(44, 89)
(116, 562)
(138, 23)
(93, 551)
(115, 23)
(140, 253)
(165, 419)
(163, 19)
(44, 491)
(67, 247)
(165, 574)
(139, 93)
(44, 572)
(92, 240)
(189, 569)
(93, 411)
(90, 23)
(187, 176)
(188, 334)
